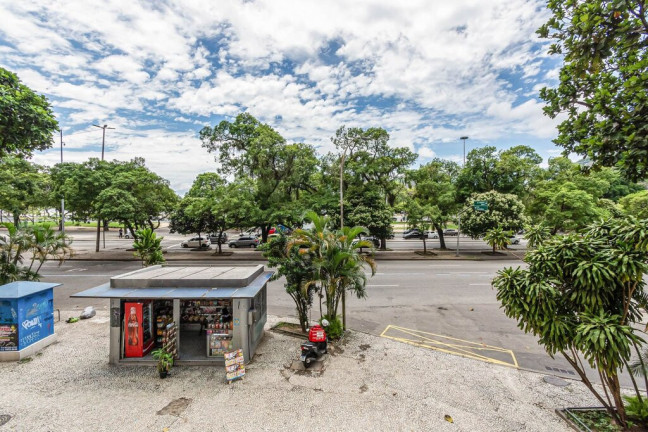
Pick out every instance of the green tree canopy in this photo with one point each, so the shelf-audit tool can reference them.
(26, 119)
(23, 185)
(282, 172)
(636, 204)
(505, 211)
(435, 194)
(603, 89)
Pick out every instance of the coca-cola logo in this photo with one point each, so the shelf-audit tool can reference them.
(27, 324)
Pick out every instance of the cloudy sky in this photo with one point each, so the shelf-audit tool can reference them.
(427, 71)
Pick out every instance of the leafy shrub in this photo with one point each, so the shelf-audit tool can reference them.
(636, 408)
(334, 331)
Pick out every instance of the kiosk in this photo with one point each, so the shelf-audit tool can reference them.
(198, 313)
(26, 318)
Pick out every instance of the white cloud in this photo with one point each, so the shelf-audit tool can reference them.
(426, 71)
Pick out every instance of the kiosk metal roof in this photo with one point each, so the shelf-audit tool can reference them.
(176, 288)
(20, 289)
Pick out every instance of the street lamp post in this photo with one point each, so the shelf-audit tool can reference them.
(103, 144)
(62, 198)
(346, 147)
(463, 138)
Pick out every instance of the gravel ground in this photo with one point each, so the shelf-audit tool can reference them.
(369, 383)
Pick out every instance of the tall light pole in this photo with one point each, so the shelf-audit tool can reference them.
(346, 147)
(463, 138)
(62, 198)
(103, 145)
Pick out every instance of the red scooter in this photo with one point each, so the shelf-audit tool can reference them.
(316, 346)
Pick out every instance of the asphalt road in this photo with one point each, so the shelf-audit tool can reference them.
(85, 240)
(445, 305)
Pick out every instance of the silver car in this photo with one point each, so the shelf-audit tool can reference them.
(244, 241)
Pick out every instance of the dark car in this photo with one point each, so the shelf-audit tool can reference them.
(415, 233)
(450, 232)
(213, 238)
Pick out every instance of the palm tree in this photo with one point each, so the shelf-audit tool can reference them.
(148, 247)
(336, 261)
(536, 235)
(497, 238)
(41, 241)
(48, 244)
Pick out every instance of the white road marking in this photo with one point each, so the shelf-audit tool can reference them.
(79, 275)
(76, 270)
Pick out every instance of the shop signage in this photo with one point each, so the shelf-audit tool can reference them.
(234, 365)
(8, 338)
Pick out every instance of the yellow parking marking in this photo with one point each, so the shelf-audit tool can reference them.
(449, 345)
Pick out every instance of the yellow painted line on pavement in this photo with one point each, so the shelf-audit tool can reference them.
(450, 345)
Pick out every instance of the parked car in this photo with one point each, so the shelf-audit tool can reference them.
(195, 242)
(213, 238)
(432, 235)
(244, 241)
(415, 233)
(514, 240)
(373, 239)
(450, 232)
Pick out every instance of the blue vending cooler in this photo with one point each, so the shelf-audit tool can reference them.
(26, 318)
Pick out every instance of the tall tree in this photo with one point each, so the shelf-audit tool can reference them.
(603, 89)
(505, 211)
(26, 119)
(22, 186)
(511, 171)
(434, 189)
(249, 148)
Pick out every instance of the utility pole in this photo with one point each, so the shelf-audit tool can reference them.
(346, 147)
(62, 198)
(103, 145)
(463, 138)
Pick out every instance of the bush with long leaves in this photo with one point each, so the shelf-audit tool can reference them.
(497, 238)
(582, 295)
(148, 247)
(38, 242)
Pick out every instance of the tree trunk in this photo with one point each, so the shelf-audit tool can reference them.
(383, 244)
(424, 245)
(441, 238)
(105, 224)
(220, 242)
(264, 233)
(16, 218)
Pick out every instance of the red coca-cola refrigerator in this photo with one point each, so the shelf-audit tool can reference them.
(138, 328)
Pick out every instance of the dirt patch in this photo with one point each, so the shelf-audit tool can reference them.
(290, 329)
(363, 388)
(364, 347)
(175, 407)
(494, 254)
(4, 419)
(428, 253)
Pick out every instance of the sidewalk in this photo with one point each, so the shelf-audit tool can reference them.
(370, 383)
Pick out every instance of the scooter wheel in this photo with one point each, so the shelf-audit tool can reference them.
(308, 362)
